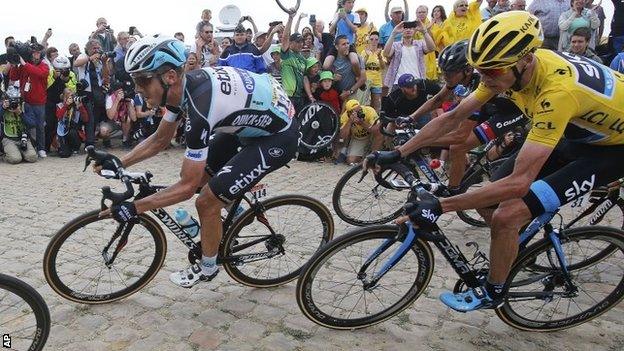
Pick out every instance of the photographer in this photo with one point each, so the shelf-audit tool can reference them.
(14, 134)
(90, 71)
(72, 116)
(104, 35)
(26, 65)
(148, 118)
(357, 131)
(60, 78)
(120, 112)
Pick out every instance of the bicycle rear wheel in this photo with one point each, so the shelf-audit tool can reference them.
(24, 315)
(367, 202)
(74, 261)
(331, 292)
(255, 257)
(540, 300)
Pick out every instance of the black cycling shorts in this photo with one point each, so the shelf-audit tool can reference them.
(497, 126)
(237, 164)
(571, 171)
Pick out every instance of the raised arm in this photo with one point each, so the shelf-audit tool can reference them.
(287, 31)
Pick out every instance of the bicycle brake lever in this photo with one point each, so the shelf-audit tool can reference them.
(88, 160)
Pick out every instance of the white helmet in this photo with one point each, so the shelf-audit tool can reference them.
(61, 62)
(150, 53)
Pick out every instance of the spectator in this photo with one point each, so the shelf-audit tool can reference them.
(345, 21)
(502, 6)
(576, 17)
(148, 118)
(617, 26)
(579, 44)
(293, 65)
(327, 91)
(74, 52)
(548, 12)
(311, 78)
(374, 64)
(32, 74)
(396, 16)
(90, 68)
(206, 47)
(275, 68)
(411, 95)
(518, 5)
(601, 15)
(192, 63)
(120, 112)
(431, 65)
(206, 16)
(349, 79)
(618, 63)
(225, 42)
(268, 40)
(308, 42)
(179, 36)
(243, 54)
(50, 54)
(462, 22)
(408, 55)
(357, 131)
(14, 133)
(438, 16)
(122, 45)
(72, 116)
(364, 30)
(59, 79)
(323, 41)
(488, 11)
(104, 34)
(248, 35)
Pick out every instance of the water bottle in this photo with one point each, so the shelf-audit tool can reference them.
(188, 223)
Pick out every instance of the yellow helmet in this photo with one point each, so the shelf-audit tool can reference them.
(503, 39)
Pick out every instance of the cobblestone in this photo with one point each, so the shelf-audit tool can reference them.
(36, 200)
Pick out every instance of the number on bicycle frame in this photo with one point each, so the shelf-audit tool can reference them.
(259, 191)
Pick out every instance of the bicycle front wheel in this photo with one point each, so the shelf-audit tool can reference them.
(78, 268)
(254, 256)
(367, 202)
(540, 299)
(331, 291)
(24, 315)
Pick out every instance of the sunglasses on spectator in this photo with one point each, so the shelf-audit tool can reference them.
(462, 5)
(208, 31)
(493, 72)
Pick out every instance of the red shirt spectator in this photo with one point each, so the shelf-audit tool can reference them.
(35, 78)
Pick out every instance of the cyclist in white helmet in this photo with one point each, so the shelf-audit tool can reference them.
(227, 108)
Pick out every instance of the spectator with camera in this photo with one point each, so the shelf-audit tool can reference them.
(357, 133)
(206, 47)
(59, 79)
(345, 21)
(104, 34)
(74, 52)
(26, 66)
(90, 68)
(243, 54)
(396, 16)
(147, 118)
(576, 17)
(120, 111)
(72, 117)
(14, 133)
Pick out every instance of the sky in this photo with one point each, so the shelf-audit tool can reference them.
(71, 22)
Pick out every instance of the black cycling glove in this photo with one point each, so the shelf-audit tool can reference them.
(124, 212)
(425, 212)
(382, 158)
(111, 163)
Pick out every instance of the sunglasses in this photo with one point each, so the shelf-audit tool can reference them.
(142, 79)
(462, 5)
(494, 72)
(208, 31)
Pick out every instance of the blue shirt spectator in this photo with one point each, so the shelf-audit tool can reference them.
(243, 54)
(396, 16)
(618, 63)
(346, 21)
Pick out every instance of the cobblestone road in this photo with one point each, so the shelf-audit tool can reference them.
(36, 200)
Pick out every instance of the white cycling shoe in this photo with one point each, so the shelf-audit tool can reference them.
(187, 278)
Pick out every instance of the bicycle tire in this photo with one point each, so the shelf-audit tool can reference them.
(39, 308)
(307, 208)
(610, 236)
(51, 264)
(395, 207)
(308, 299)
(308, 119)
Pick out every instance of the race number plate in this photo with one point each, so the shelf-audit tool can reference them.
(259, 191)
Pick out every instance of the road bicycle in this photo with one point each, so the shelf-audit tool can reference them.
(604, 205)
(97, 260)
(378, 198)
(569, 277)
(24, 316)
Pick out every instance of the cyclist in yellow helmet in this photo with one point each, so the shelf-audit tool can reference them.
(575, 143)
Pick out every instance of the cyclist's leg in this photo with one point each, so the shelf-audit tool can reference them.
(460, 142)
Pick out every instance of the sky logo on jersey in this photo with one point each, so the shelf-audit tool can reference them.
(196, 155)
(580, 189)
(247, 179)
(248, 82)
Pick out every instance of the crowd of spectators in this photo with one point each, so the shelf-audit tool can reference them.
(53, 103)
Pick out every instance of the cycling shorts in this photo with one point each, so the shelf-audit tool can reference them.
(571, 171)
(236, 164)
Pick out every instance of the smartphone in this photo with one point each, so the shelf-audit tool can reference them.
(410, 24)
(341, 11)
(312, 19)
(275, 23)
(131, 30)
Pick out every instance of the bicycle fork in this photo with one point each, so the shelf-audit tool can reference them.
(122, 232)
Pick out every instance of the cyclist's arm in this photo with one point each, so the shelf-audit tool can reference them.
(528, 164)
(433, 103)
(152, 145)
(441, 125)
(190, 179)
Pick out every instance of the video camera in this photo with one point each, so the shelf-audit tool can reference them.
(18, 49)
(109, 54)
(126, 85)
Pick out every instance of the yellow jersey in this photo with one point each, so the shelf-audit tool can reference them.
(459, 28)
(570, 96)
(357, 130)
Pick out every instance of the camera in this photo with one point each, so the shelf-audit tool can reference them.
(64, 72)
(361, 115)
(18, 49)
(109, 54)
(127, 86)
(274, 23)
(411, 24)
(81, 93)
(14, 103)
(24, 141)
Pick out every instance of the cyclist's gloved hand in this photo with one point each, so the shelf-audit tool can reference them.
(425, 212)
(124, 212)
(382, 158)
(111, 163)
(403, 122)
